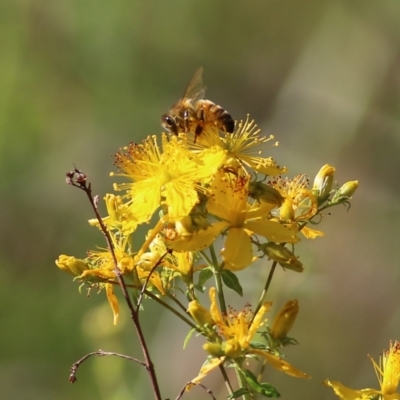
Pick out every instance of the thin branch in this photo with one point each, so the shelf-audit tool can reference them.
(197, 384)
(100, 353)
(78, 179)
(266, 287)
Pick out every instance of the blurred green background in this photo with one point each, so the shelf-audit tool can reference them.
(81, 78)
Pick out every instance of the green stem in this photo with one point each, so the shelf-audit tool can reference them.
(226, 379)
(177, 313)
(242, 381)
(166, 305)
(218, 279)
(266, 287)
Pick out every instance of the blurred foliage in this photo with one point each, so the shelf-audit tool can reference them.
(79, 79)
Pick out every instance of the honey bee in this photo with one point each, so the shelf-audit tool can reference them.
(192, 113)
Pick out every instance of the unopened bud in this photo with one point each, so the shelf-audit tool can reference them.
(284, 320)
(323, 183)
(232, 348)
(283, 256)
(213, 349)
(345, 192)
(265, 193)
(184, 226)
(72, 265)
(112, 203)
(200, 314)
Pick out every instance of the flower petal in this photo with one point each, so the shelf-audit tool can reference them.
(346, 393)
(205, 370)
(238, 253)
(280, 364)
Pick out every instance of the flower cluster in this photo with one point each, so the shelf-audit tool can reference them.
(216, 190)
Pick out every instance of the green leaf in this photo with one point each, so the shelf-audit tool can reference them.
(238, 393)
(200, 288)
(259, 346)
(231, 281)
(262, 388)
(204, 276)
(187, 338)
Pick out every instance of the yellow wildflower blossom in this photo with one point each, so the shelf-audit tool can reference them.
(168, 177)
(119, 217)
(299, 204)
(103, 261)
(242, 219)
(72, 265)
(243, 148)
(388, 373)
(236, 330)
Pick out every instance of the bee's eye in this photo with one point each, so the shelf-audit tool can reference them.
(169, 124)
(168, 121)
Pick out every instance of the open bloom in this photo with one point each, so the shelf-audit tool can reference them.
(229, 202)
(388, 373)
(300, 204)
(235, 332)
(242, 148)
(120, 216)
(169, 176)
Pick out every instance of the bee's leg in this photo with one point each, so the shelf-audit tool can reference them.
(200, 125)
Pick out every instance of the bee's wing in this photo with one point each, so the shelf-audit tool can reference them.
(195, 89)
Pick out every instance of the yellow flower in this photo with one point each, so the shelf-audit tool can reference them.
(388, 373)
(102, 261)
(119, 217)
(200, 314)
(72, 265)
(104, 268)
(198, 240)
(300, 204)
(237, 327)
(245, 146)
(242, 148)
(241, 219)
(168, 177)
(236, 330)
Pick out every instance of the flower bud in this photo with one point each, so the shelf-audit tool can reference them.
(284, 320)
(112, 203)
(185, 265)
(323, 183)
(184, 226)
(72, 265)
(283, 256)
(200, 314)
(232, 348)
(265, 193)
(213, 349)
(345, 192)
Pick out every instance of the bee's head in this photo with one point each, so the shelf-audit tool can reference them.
(169, 124)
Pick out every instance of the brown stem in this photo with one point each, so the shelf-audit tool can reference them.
(100, 353)
(78, 179)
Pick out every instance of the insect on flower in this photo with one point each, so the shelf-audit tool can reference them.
(192, 113)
